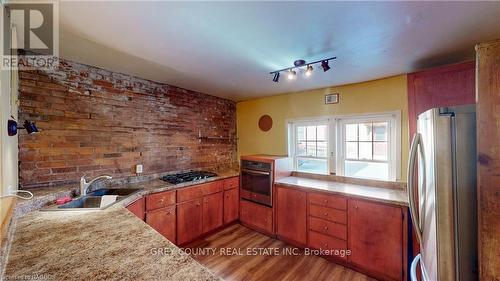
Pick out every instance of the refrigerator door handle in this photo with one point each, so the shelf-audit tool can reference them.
(415, 215)
(413, 268)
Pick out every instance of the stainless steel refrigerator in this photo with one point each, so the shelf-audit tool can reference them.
(442, 194)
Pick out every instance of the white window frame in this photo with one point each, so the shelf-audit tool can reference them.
(293, 142)
(335, 133)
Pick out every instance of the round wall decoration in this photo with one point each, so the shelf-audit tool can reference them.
(265, 123)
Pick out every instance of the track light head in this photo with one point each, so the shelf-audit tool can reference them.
(276, 77)
(291, 74)
(309, 70)
(325, 66)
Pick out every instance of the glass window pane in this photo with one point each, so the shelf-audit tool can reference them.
(380, 151)
(321, 132)
(318, 166)
(380, 131)
(365, 132)
(351, 150)
(311, 132)
(301, 148)
(311, 148)
(365, 150)
(351, 132)
(322, 150)
(301, 133)
(370, 170)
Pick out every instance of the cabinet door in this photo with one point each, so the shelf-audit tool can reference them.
(231, 200)
(189, 221)
(212, 211)
(291, 215)
(376, 238)
(137, 208)
(163, 221)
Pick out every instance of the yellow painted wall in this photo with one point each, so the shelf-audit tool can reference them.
(381, 95)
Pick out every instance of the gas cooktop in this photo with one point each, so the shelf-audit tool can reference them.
(188, 176)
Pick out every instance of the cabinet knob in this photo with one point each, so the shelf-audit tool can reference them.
(325, 245)
(326, 201)
(326, 227)
(356, 207)
(325, 214)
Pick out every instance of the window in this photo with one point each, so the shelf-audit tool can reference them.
(310, 146)
(365, 146)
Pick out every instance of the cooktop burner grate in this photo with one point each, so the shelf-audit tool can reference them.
(188, 176)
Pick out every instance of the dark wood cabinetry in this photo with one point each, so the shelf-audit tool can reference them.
(164, 221)
(231, 202)
(212, 211)
(256, 216)
(442, 86)
(137, 208)
(291, 215)
(376, 238)
(189, 221)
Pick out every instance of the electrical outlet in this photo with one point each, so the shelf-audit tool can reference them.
(138, 169)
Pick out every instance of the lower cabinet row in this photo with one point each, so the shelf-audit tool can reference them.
(368, 236)
(184, 215)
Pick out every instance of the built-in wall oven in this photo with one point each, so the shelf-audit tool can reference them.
(257, 182)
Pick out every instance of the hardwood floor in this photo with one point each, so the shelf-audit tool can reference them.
(228, 258)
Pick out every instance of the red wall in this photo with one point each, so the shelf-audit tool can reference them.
(93, 121)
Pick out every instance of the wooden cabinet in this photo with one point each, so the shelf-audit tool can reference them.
(257, 216)
(212, 211)
(291, 215)
(164, 221)
(231, 202)
(189, 221)
(376, 238)
(137, 208)
(443, 86)
(337, 248)
(160, 200)
(231, 183)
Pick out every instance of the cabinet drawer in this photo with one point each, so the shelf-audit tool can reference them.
(189, 193)
(160, 200)
(212, 187)
(330, 201)
(256, 215)
(329, 228)
(231, 183)
(337, 247)
(328, 214)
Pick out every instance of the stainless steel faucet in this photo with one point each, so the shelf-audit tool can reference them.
(84, 185)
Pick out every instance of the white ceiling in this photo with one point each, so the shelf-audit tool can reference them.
(227, 49)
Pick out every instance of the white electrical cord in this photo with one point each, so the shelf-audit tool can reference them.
(13, 194)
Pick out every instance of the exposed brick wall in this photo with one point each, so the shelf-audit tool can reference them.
(93, 121)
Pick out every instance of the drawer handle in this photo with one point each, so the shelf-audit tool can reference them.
(325, 245)
(161, 200)
(326, 227)
(325, 214)
(326, 201)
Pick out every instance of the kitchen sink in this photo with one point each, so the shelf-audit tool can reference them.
(97, 200)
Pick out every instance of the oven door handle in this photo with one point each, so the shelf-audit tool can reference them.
(253, 172)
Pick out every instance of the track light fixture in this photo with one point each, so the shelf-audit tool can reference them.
(276, 77)
(298, 64)
(325, 66)
(309, 70)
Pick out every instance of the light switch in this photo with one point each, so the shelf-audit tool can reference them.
(138, 169)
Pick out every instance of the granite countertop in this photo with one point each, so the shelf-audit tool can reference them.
(385, 195)
(110, 244)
